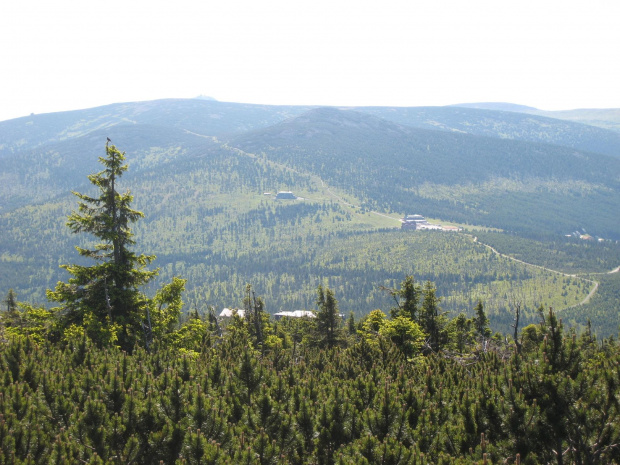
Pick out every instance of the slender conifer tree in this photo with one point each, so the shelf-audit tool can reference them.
(104, 297)
(328, 319)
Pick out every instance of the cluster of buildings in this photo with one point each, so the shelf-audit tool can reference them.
(229, 312)
(415, 222)
(283, 195)
(295, 314)
(585, 236)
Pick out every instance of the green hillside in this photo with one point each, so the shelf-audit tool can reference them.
(209, 221)
(513, 185)
(211, 216)
(55, 169)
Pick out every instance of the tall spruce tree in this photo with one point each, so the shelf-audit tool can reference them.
(432, 319)
(255, 316)
(104, 298)
(329, 332)
(481, 321)
(407, 299)
(10, 301)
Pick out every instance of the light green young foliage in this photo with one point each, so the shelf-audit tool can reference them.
(406, 334)
(29, 321)
(531, 337)
(371, 326)
(190, 338)
(374, 321)
(165, 308)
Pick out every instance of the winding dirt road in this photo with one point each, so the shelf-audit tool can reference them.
(591, 281)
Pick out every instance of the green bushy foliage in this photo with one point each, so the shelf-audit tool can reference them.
(364, 401)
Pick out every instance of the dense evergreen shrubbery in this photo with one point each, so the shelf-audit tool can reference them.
(234, 400)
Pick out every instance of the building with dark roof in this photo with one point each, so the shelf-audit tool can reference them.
(285, 195)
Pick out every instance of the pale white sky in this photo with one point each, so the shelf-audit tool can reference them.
(69, 54)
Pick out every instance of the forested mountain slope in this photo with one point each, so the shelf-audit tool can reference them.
(52, 169)
(208, 220)
(201, 183)
(507, 184)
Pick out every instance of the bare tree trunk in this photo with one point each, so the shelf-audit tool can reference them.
(516, 327)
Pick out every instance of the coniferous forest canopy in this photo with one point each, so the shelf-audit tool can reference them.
(493, 344)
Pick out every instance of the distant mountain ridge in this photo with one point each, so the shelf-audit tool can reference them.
(606, 118)
(497, 106)
(206, 117)
(358, 133)
(603, 118)
(505, 125)
(213, 118)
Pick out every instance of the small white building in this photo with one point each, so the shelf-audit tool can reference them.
(295, 314)
(413, 222)
(417, 222)
(229, 312)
